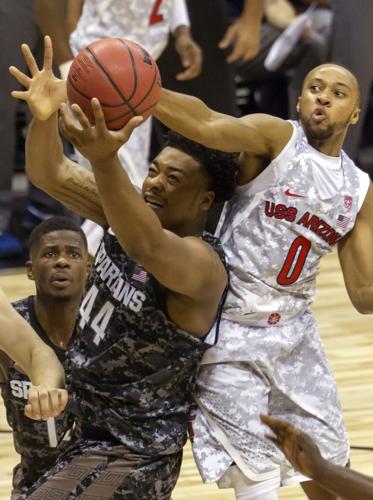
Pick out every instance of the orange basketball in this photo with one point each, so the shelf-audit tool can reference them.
(121, 74)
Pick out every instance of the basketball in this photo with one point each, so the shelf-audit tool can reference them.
(121, 74)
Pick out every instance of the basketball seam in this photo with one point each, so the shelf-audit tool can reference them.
(125, 114)
(111, 81)
(150, 88)
(134, 68)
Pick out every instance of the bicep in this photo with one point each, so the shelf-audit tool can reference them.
(259, 134)
(186, 265)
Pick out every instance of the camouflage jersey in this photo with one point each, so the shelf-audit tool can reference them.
(131, 369)
(276, 228)
(39, 443)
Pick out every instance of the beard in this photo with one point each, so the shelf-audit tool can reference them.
(315, 132)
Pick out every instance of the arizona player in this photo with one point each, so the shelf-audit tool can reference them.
(300, 195)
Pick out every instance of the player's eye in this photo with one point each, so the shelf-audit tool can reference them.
(315, 88)
(339, 93)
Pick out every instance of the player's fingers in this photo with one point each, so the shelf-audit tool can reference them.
(236, 53)
(34, 410)
(193, 70)
(64, 122)
(62, 399)
(99, 115)
(19, 94)
(48, 53)
(30, 60)
(81, 116)
(227, 39)
(44, 402)
(54, 402)
(29, 412)
(21, 77)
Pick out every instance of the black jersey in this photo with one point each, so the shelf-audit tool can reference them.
(38, 442)
(131, 369)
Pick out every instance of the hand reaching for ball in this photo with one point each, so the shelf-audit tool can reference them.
(44, 92)
(96, 142)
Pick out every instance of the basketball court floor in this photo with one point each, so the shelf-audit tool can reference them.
(348, 339)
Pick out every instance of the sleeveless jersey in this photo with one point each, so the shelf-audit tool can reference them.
(147, 22)
(39, 443)
(275, 229)
(131, 369)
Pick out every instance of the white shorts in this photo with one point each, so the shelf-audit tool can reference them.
(281, 371)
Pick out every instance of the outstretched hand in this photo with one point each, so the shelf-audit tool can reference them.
(298, 447)
(44, 92)
(45, 402)
(96, 142)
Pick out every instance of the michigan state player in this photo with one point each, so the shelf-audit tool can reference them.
(58, 265)
(300, 196)
(154, 293)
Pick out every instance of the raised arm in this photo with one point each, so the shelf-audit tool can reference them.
(52, 18)
(259, 134)
(46, 165)
(36, 359)
(356, 257)
(304, 455)
(186, 265)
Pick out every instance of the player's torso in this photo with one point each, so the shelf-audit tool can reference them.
(146, 22)
(129, 361)
(276, 228)
(38, 442)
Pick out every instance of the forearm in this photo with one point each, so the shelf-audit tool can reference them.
(45, 368)
(185, 114)
(44, 152)
(252, 11)
(73, 12)
(23, 345)
(136, 226)
(53, 22)
(51, 171)
(190, 117)
(344, 482)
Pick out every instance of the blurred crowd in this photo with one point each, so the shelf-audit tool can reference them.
(213, 49)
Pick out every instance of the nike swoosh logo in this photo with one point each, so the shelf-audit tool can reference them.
(288, 193)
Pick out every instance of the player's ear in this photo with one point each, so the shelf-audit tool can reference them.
(207, 200)
(355, 116)
(298, 105)
(29, 270)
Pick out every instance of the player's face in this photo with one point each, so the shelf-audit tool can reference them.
(329, 103)
(176, 188)
(59, 265)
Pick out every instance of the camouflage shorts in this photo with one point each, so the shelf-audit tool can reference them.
(93, 470)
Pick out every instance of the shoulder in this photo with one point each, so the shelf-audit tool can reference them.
(22, 305)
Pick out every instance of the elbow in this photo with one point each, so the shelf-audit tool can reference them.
(362, 300)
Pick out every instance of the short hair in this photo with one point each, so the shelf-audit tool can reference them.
(221, 168)
(55, 223)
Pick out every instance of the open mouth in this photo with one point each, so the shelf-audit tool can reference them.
(153, 202)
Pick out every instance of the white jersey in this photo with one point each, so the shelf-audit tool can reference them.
(275, 229)
(147, 22)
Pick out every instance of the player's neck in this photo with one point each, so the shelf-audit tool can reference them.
(326, 147)
(57, 318)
